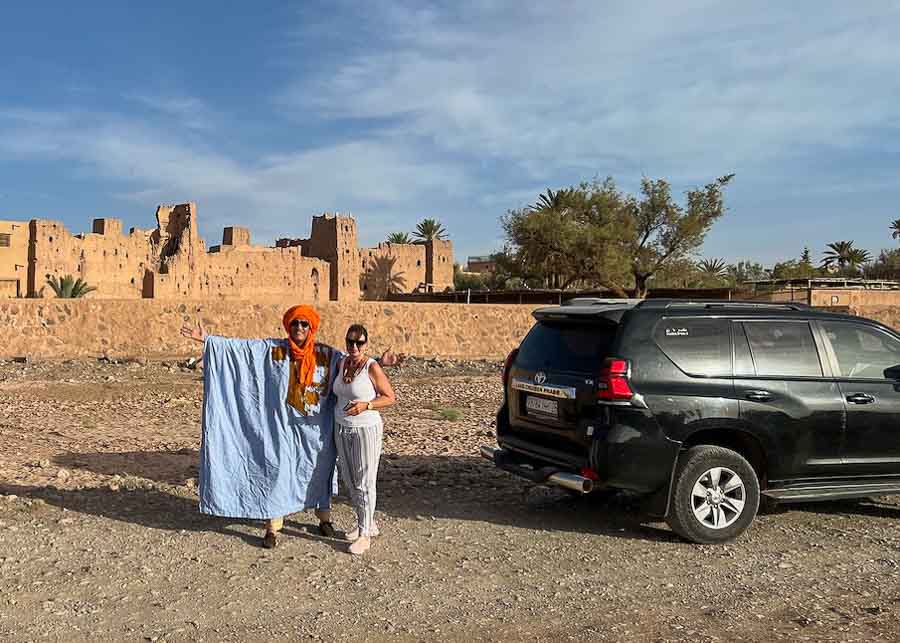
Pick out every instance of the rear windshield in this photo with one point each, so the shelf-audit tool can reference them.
(566, 347)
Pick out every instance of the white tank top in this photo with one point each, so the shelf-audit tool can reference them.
(360, 389)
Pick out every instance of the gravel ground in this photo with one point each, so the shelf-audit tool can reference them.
(100, 537)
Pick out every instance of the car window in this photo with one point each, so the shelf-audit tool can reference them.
(697, 346)
(566, 347)
(783, 349)
(862, 351)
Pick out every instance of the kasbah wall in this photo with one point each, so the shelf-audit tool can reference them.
(80, 328)
(172, 262)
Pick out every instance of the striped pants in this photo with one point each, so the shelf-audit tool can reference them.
(359, 449)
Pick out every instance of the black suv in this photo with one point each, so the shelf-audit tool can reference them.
(704, 407)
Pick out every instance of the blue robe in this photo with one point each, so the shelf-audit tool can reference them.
(259, 456)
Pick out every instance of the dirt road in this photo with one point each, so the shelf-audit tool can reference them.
(100, 537)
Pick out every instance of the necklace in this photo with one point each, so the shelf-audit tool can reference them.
(351, 370)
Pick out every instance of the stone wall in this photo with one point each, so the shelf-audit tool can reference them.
(13, 259)
(391, 267)
(439, 265)
(887, 315)
(60, 329)
(110, 261)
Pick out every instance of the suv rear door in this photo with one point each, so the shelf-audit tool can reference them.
(861, 353)
(786, 390)
(552, 382)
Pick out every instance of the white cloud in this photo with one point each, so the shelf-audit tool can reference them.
(678, 88)
(275, 195)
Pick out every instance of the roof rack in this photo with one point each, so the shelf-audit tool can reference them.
(600, 301)
(679, 303)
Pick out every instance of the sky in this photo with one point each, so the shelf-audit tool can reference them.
(267, 113)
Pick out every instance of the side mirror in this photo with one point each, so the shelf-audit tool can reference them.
(892, 373)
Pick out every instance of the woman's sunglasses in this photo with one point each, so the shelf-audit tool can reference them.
(358, 342)
(302, 323)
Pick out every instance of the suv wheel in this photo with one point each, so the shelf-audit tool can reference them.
(715, 495)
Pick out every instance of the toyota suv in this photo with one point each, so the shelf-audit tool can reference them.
(704, 408)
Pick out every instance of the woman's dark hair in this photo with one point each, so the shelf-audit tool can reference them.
(360, 331)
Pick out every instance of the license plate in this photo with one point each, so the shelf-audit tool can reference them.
(542, 406)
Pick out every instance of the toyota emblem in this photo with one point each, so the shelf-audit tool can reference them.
(540, 377)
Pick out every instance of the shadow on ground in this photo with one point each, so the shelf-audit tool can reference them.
(452, 487)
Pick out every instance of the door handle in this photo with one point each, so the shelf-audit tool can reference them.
(860, 398)
(758, 396)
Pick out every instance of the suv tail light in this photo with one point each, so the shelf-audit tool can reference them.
(507, 364)
(613, 384)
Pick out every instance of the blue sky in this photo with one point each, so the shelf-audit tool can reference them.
(267, 113)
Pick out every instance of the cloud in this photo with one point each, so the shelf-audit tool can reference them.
(677, 88)
(275, 194)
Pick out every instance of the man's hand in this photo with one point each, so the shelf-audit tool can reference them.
(196, 333)
(390, 358)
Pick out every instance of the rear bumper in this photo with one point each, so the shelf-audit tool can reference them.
(506, 460)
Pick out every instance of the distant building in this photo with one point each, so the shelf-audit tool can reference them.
(483, 264)
(171, 261)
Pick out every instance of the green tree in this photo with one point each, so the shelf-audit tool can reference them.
(744, 271)
(399, 237)
(713, 270)
(594, 235)
(845, 257)
(895, 229)
(468, 280)
(428, 230)
(551, 200)
(68, 287)
(887, 266)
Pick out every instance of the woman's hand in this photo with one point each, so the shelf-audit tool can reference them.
(355, 408)
(196, 333)
(390, 358)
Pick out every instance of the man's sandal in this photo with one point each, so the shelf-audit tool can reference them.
(270, 540)
(327, 529)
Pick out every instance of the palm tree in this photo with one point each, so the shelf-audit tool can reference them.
(398, 237)
(69, 288)
(844, 256)
(551, 200)
(713, 268)
(429, 230)
(895, 228)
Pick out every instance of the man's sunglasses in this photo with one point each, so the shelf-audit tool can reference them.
(358, 342)
(302, 323)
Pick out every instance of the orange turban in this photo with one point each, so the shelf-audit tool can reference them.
(305, 356)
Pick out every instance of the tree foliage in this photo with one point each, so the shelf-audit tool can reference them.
(845, 257)
(895, 229)
(68, 287)
(399, 237)
(595, 235)
(428, 230)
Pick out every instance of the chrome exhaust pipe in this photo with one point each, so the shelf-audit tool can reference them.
(571, 481)
(487, 452)
(560, 478)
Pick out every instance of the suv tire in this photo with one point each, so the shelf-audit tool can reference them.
(715, 495)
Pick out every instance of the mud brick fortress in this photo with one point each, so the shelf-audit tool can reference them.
(172, 262)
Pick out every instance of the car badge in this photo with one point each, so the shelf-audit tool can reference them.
(540, 377)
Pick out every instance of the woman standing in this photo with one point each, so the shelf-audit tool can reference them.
(362, 388)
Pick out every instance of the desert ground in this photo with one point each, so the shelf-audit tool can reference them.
(101, 538)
